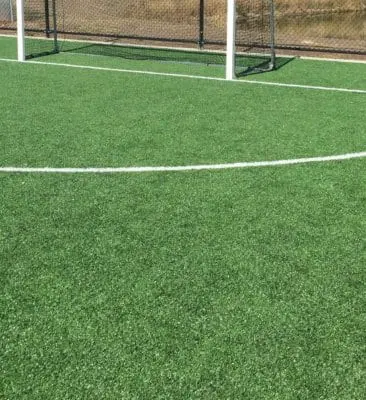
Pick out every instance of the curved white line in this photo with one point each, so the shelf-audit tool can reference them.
(251, 164)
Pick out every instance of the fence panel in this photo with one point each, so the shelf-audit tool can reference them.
(320, 25)
(338, 25)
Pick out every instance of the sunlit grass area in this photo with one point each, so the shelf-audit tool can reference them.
(240, 284)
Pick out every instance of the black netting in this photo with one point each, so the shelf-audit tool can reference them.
(255, 35)
(137, 29)
(40, 27)
(153, 20)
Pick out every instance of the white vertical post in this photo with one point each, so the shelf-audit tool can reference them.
(230, 39)
(20, 30)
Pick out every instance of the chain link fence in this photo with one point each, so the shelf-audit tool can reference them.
(317, 25)
(337, 25)
(6, 11)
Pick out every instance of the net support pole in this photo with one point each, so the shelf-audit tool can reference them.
(230, 39)
(20, 30)
(11, 11)
(273, 34)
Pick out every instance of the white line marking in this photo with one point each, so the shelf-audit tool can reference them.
(308, 87)
(203, 167)
(337, 60)
(207, 78)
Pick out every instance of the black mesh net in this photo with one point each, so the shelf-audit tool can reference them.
(40, 18)
(255, 36)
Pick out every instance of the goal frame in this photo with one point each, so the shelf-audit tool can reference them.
(230, 52)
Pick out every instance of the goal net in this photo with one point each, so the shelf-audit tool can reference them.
(235, 34)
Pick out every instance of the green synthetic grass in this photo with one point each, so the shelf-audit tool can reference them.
(8, 47)
(243, 284)
(246, 284)
(98, 118)
(320, 73)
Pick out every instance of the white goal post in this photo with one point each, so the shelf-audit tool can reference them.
(20, 30)
(230, 39)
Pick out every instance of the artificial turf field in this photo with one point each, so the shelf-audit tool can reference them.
(243, 283)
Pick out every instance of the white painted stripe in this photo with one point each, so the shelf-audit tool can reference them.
(326, 59)
(207, 78)
(203, 167)
(307, 87)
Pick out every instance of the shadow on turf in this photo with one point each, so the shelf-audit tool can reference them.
(146, 53)
(251, 64)
(257, 64)
(263, 67)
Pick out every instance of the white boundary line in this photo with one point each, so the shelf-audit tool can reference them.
(203, 167)
(185, 76)
(337, 60)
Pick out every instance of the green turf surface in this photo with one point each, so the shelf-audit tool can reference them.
(320, 73)
(241, 284)
(245, 284)
(98, 118)
(8, 47)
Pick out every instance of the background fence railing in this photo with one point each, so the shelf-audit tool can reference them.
(318, 25)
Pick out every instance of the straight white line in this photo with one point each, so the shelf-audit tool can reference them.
(337, 60)
(308, 87)
(207, 78)
(203, 167)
